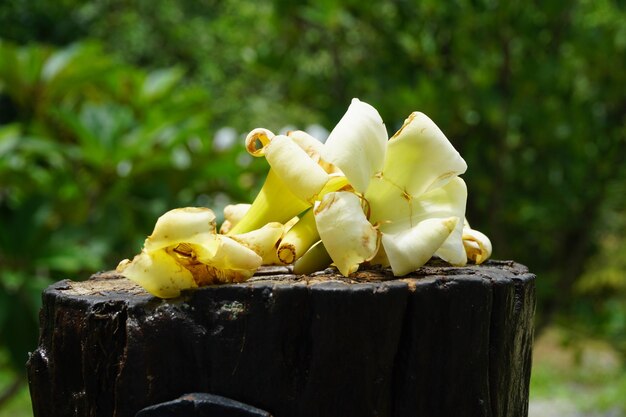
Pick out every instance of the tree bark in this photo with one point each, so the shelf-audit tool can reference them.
(442, 341)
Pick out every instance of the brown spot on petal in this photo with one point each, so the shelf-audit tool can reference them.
(185, 250)
(226, 226)
(365, 240)
(405, 124)
(204, 274)
(446, 175)
(326, 203)
(123, 265)
(409, 199)
(406, 196)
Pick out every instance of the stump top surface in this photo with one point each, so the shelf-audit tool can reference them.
(112, 285)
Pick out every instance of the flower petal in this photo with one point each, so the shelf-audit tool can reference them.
(400, 211)
(308, 143)
(257, 140)
(301, 174)
(158, 273)
(395, 211)
(274, 203)
(452, 250)
(298, 239)
(182, 225)
(232, 262)
(357, 144)
(262, 241)
(477, 245)
(409, 249)
(225, 261)
(314, 259)
(380, 258)
(420, 157)
(314, 148)
(346, 233)
(233, 213)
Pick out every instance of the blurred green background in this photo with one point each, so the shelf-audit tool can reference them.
(112, 112)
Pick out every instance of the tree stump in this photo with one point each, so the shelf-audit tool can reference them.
(443, 341)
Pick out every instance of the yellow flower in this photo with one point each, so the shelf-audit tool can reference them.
(184, 251)
(398, 201)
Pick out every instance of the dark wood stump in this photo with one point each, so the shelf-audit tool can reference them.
(442, 341)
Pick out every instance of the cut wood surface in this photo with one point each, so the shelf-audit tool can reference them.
(443, 341)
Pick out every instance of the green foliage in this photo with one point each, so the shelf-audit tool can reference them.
(94, 153)
(51, 21)
(17, 404)
(225, 45)
(601, 309)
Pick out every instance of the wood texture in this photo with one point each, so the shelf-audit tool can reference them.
(442, 341)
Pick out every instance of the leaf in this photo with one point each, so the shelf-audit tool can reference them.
(9, 139)
(58, 61)
(159, 83)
